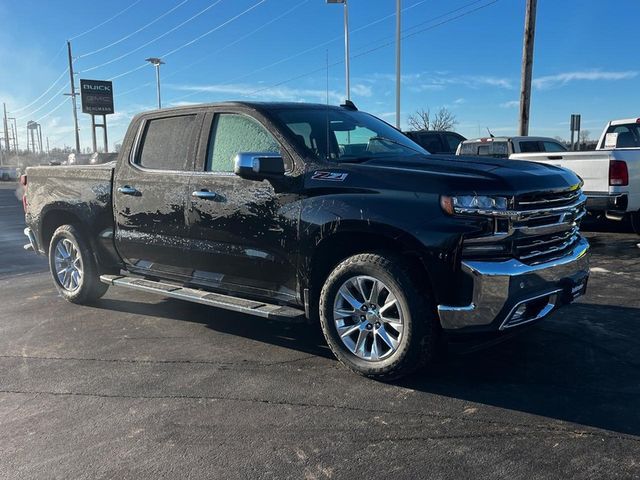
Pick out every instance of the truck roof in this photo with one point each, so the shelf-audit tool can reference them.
(506, 139)
(624, 121)
(253, 105)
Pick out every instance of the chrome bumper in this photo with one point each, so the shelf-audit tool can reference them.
(33, 244)
(511, 293)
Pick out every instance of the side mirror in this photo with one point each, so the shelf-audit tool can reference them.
(258, 166)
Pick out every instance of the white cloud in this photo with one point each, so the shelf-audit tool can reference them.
(271, 93)
(560, 79)
(459, 101)
(510, 104)
(361, 90)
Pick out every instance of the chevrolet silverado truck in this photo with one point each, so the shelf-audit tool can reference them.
(329, 214)
(611, 173)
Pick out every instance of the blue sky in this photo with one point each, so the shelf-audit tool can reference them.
(586, 58)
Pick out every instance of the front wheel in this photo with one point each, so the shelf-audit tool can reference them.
(73, 266)
(375, 318)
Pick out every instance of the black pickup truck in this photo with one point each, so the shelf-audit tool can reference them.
(294, 211)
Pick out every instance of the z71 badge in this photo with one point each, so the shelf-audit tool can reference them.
(329, 176)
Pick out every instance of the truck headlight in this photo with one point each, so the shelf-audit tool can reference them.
(470, 204)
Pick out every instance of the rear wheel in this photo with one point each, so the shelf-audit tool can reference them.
(73, 266)
(374, 317)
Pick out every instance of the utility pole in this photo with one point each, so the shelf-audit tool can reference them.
(14, 130)
(73, 97)
(398, 39)
(527, 65)
(6, 129)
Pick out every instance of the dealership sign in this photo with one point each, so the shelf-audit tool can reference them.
(97, 97)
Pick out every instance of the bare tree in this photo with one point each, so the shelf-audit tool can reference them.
(585, 136)
(443, 120)
(420, 120)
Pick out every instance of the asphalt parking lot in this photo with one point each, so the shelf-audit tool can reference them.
(137, 386)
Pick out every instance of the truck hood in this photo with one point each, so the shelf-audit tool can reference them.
(447, 174)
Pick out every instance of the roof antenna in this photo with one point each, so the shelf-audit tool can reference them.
(490, 134)
(350, 105)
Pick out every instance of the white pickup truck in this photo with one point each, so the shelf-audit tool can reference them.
(611, 173)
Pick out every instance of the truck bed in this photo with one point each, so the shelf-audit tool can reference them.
(80, 192)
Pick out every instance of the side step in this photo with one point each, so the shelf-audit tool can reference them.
(260, 309)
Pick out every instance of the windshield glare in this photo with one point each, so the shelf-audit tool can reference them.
(341, 135)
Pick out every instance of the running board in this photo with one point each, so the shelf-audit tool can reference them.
(227, 302)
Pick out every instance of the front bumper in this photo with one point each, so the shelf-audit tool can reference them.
(510, 293)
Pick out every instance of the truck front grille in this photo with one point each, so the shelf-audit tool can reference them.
(541, 227)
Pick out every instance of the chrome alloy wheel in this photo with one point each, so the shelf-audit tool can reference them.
(68, 265)
(368, 318)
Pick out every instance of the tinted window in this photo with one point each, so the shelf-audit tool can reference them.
(166, 143)
(452, 141)
(553, 147)
(430, 141)
(232, 134)
(529, 147)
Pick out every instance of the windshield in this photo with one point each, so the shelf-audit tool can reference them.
(344, 136)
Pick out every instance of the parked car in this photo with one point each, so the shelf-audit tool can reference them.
(9, 174)
(504, 147)
(436, 141)
(611, 173)
(298, 211)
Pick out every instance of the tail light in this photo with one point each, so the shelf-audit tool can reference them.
(23, 182)
(618, 173)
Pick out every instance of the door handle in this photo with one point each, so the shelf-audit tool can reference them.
(127, 190)
(205, 194)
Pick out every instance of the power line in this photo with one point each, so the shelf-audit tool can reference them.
(106, 21)
(291, 57)
(120, 40)
(209, 32)
(120, 57)
(204, 57)
(56, 95)
(44, 93)
(194, 40)
(379, 47)
(371, 50)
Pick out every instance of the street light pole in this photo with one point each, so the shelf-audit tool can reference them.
(346, 46)
(398, 32)
(156, 62)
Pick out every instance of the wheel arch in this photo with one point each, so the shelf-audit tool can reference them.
(330, 250)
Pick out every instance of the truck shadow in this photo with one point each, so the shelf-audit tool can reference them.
(582, 365)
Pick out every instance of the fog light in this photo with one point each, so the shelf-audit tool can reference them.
(519, 313)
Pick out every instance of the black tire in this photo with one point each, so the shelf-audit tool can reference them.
(417, 343)
(635, 222)
(85, 287)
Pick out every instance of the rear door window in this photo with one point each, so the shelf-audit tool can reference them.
(553, 147)
(530, 146)
(166, 143)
